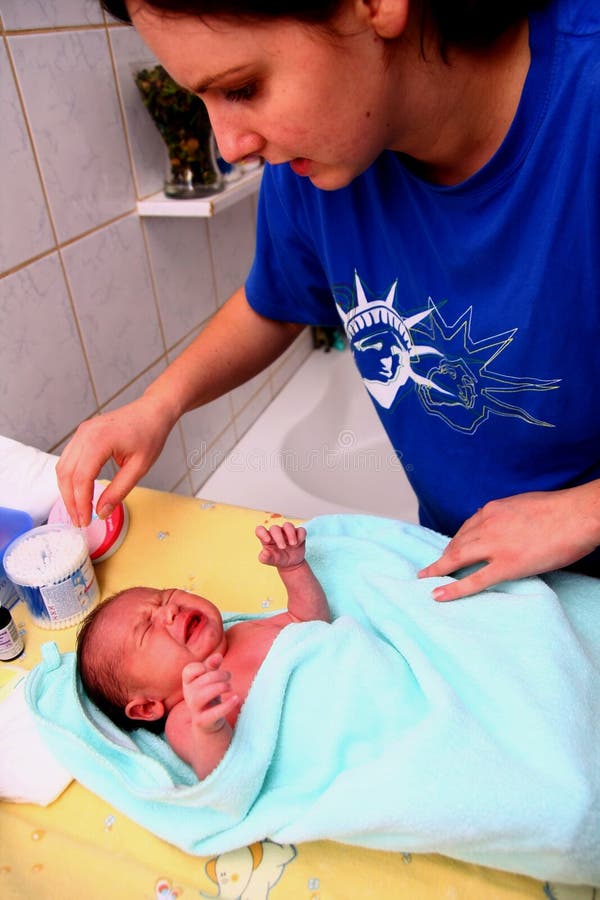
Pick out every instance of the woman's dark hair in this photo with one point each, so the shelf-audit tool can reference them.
(476, 23)
(249, 9)
(467, 23)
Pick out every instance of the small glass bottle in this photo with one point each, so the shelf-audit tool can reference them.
(11, 642)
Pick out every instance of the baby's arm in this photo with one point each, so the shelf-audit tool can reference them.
(283, 547)
(197, 728)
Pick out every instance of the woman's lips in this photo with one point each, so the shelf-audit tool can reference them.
(301, 166)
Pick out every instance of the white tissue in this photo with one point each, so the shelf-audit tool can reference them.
(27, 479)
(28, 771)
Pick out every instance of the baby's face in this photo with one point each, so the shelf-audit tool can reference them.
(159, 633)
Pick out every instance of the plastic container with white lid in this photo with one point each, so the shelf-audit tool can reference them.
(53, 573)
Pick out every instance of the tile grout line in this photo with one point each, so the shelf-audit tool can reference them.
(57, 249)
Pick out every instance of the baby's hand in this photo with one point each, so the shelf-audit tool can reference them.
(207, 693)
(283, 546)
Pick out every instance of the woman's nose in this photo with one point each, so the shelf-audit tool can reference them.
(235, 143)
(235, 149)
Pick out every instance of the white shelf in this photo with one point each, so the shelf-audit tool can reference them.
(159, 205)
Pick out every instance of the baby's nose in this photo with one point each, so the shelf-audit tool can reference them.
(167, 613)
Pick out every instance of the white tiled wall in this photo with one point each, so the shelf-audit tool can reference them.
(93, 301)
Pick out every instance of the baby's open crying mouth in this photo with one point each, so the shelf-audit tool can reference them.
(192, 625)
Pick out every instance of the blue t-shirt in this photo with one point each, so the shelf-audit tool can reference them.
(473, 311)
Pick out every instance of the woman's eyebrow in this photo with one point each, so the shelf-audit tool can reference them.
(204, 85)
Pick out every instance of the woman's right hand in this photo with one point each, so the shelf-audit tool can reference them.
(132, 435)
(234, 346)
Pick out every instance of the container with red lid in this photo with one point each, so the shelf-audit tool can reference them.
(103, 536)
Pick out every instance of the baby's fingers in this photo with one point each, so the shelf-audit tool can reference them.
(287, 535)
(294, 536)
(198, 673)
(214, 660)
(263, 535)
(277, 536)
(281, 535)
(214, 716)
(210, 701)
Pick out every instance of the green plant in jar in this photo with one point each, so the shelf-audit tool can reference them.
(183, 122)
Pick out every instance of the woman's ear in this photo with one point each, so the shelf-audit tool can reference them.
(388, 18)
(145, 709)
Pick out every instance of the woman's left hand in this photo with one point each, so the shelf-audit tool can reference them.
(519, 536)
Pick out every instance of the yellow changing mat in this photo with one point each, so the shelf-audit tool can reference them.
(80, 847)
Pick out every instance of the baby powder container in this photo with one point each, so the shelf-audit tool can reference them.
(53, 573)
(13, 522)
(103, 536)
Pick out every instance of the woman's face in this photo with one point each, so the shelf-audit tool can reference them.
(282, 90)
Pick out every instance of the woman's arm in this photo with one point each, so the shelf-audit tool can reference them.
(235, 345)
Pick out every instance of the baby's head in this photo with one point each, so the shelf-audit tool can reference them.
(132, 649)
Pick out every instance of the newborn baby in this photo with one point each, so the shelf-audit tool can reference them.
(162, 658)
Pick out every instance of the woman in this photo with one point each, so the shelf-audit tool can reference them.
(433, 182)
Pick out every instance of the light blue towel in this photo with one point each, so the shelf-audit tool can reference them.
(471, 728)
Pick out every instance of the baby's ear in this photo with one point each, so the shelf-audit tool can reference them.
(145, 709)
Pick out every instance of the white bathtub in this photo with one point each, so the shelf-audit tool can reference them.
(318, 448)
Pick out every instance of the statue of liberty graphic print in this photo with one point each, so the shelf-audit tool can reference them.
(456, 377)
